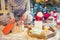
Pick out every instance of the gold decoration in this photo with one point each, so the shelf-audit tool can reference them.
(37, 1)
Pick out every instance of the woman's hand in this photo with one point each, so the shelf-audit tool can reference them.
(12, 20)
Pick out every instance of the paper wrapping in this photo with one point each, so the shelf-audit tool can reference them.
(38, 24)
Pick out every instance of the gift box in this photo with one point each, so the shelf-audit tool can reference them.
(38, 20)
(38, 24)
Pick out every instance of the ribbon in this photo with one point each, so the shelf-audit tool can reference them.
(37, 18)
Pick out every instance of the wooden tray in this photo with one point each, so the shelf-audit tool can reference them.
(42, 36)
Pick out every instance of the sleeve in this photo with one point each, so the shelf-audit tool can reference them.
(12, 19)
(11, 15)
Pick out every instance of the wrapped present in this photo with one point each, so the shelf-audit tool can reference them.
(38, 24)
(55, 15)
(46, 16)
(38, 20)
(39, 16)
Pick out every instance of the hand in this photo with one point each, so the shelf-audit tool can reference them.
(13, 20)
